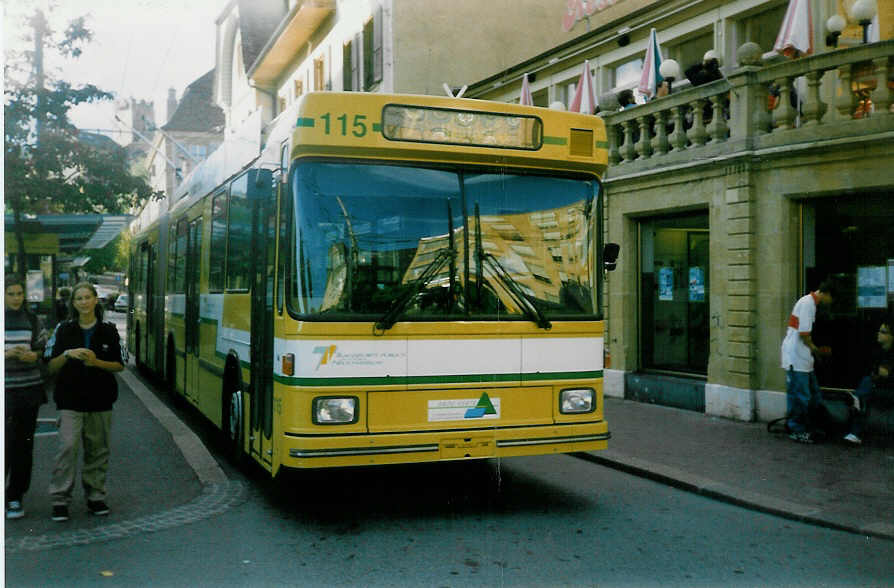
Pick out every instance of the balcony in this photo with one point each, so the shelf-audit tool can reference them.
(845, 97)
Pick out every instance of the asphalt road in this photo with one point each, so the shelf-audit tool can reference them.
(540, 521)
(545, 521)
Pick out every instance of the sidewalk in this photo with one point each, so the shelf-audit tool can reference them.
(830, 484)
(161, 476)
(158, 477)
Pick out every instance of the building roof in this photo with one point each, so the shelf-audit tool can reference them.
(98, 140)
(258, 20)
(196, 111)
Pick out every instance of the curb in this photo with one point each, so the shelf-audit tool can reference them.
(190, 445)
(218, 494)
(726, 493)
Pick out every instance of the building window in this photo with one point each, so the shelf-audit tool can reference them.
(762, 28)
(372, 50)
(627, 75)
(675, 291)
(691, 52)
(197, 152)
(298, 89)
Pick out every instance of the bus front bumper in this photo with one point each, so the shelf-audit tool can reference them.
(316, 451)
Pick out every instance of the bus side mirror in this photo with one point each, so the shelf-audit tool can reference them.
(610, 256)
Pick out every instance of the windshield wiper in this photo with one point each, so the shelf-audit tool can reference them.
(398, 306)
(512, 286)
(431, 270)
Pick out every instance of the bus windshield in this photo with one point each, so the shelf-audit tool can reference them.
(386, 242)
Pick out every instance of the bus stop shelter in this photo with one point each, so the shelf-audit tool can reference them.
(55, 243)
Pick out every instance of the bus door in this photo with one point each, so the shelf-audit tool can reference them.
(191, 312)
(152, 313)
(262, 251)
(146, 274)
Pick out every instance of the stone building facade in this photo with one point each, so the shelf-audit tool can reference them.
(728, 210)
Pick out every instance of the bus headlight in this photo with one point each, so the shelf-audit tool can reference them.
(334, 410)
(577, 400)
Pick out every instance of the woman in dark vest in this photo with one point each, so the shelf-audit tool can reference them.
(85, 352)
(24, 342)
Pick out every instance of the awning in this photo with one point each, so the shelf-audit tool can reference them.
(75, 232)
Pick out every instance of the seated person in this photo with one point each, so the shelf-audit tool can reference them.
(705, 72)
(626, 99)
(878, 387)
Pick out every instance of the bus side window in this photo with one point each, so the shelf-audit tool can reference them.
(239, 262)
(218, 243)
(283, 248)
(284, 208)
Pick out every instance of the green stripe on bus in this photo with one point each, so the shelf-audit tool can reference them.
(601, 144)
(562, 376)
(451, 379)
(554, 140)
(377, 127)
(304, 122)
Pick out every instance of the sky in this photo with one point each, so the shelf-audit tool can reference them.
(140, 48)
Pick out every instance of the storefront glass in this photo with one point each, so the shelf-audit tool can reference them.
(850, 239)
(675, 290)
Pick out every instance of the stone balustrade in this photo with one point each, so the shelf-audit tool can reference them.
(844, 94)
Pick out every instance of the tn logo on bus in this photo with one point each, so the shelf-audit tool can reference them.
(326, 353)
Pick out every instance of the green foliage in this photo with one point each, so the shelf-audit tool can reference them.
(51, 167)
(106, 259)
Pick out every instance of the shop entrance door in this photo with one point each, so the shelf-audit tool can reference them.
(851, 240)
(675, 290)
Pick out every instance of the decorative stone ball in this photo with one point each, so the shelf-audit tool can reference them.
(750, 54)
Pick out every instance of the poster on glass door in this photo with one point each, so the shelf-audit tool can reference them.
(696, 284)
(872, 287)
(666, 284)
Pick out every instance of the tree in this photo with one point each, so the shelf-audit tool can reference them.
(49, 165)
(105, 258)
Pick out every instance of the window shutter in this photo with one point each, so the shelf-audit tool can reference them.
(346, 66)
(355, 64)
(368, 55)
(378, 58)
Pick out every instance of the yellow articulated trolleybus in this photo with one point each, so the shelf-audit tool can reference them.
(395, 279)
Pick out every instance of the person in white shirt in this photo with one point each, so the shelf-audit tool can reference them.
(798, 351)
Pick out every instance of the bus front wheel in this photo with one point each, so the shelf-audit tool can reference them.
(235, 426)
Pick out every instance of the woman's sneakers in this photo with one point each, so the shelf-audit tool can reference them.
(14, 509)
(60, 513)
(97, 507)
(94, 507)
(853, 439)
(801, 437)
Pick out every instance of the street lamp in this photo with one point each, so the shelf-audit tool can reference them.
(834, 25)
(863, 11)
(670, 71)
